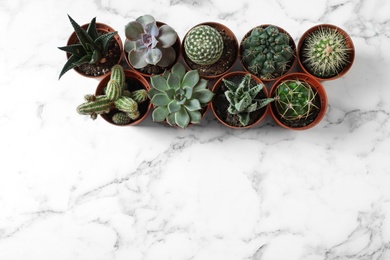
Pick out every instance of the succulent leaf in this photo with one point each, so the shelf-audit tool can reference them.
(167, 36)
(182, 119)
(160, 113)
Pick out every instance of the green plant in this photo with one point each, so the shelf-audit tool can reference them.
(148, 44)
(115, 96)
(294, 100)
(267, 52)
(90, 49)
(242, 98)
(203, 45)
(325, 52)
(178, 96)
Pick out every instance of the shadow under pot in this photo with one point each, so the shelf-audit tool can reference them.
(240, 101)
(211, 48)
(112, 57)
(300, 101)
(268, 52)
(326, 52)
(133, 82)
(148, 70)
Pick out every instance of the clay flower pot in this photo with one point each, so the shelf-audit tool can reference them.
(151, 70)
(290, 64)
(134, 81)
(113, 57)
(219, 105)
(349, 53)
(228, 58)
(320, 101)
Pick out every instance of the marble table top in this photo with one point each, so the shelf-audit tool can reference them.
(76, 189)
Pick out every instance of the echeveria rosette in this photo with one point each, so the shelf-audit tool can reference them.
(179, 96)
(242, 98)
(148, 44)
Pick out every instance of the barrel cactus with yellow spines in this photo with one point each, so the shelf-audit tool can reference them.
(203, 45)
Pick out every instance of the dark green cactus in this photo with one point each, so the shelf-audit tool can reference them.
(121, 118)
(203, 45)
(267, 52)
(325, 52)
(90, 49)
(295, 100)
(95, 106)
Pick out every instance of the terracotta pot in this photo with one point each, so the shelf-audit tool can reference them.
(291, 43)
(176, 46)
(140, 82)
(217, 89)
(192, 66)
(349, 43)
(102, 28)
(315, 84)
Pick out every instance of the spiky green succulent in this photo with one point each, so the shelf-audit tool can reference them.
(242, 98)
(115, 96)
(178, 96)
(148, 44)
(90, 49)
(325, 52)
(203, 45)
(294, 100)
(266, 52)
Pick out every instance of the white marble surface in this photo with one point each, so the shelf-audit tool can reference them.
(73, 188)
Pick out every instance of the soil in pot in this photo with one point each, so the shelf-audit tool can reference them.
(227, 59)
(221, 104)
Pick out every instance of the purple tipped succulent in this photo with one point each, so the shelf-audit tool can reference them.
(148, 44)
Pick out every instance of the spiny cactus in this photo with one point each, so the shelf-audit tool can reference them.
(267, 52)
(115, 96)
(90, 49)
(203, 45)
(242, 98)
(148, 44)
(295, 100)
(178, 96)
(325, 52)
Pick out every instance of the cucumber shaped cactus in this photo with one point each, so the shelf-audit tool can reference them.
(242, 98)
(90, 49)
(148, 44)
(295, 100)
(325, 52)
(178, 96)
(266, 52)
(117, 97)
(203, 45)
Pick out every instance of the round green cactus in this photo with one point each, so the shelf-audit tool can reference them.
(203, 45)
(121, 118)
(267, 52)
(295, 100)
(325, 52)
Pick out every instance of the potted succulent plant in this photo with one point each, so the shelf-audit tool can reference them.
(326, 52)
(151, 47)
(268, 52)
(300, 101)
(211, 48)
(120, 98)
(92, 49)
(179, 97)
(240, 100)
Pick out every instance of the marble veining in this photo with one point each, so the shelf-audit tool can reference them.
(73, 188)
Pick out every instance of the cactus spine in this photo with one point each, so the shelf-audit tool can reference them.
(203, 45)
(325, 52)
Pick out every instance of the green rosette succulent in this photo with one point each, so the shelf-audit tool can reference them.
(325, 52)
(294, 100)
(90, 49)
(178, 96)
(203, 45)
(267, 52)
(242, 98)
